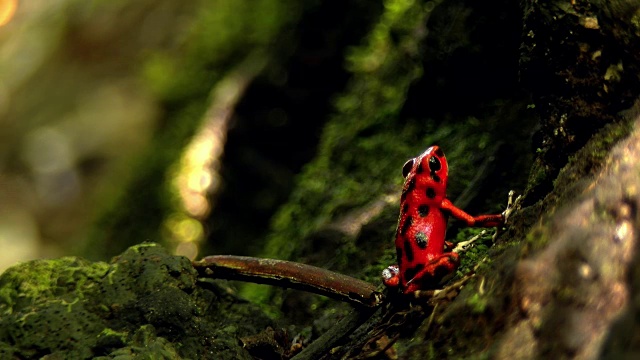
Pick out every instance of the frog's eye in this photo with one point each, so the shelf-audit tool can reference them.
(434, 164)
(407, 167)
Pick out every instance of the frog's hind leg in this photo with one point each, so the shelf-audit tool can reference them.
(432, 272)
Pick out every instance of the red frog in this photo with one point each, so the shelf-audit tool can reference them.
(420, 237)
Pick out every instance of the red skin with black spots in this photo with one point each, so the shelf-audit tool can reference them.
(420, 237)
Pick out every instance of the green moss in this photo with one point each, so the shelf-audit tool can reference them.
(477, 303)
(31, 282)
(574, 176)
(90, 309)
(505, 245)
(476, 254)
(536, 239)
(635, 21)
(581, 166)
(538, 173)
(107, 332)
(589, 159)
(145, 345)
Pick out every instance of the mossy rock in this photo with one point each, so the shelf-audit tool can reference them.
(144, 303)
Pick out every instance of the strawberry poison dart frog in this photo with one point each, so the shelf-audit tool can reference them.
(420, 236)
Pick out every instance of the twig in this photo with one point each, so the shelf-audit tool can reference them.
(465, 245)
(292, 275)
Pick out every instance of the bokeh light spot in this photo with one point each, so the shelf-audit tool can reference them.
(7, 10)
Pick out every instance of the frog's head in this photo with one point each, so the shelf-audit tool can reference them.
(428, 172)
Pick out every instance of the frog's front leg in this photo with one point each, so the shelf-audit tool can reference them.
(422, 277)
(478, 221)
(512, 205)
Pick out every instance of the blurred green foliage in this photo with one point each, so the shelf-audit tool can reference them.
(219, 37)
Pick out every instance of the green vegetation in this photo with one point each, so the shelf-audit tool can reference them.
(145, 303)
(182, 77)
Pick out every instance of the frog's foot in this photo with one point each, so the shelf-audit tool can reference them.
(466, 245)
(512, 206)
(391, 276)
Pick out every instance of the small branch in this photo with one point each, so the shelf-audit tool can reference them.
(292, 275)
(465, 245)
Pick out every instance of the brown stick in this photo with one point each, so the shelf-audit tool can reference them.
(292, 275)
